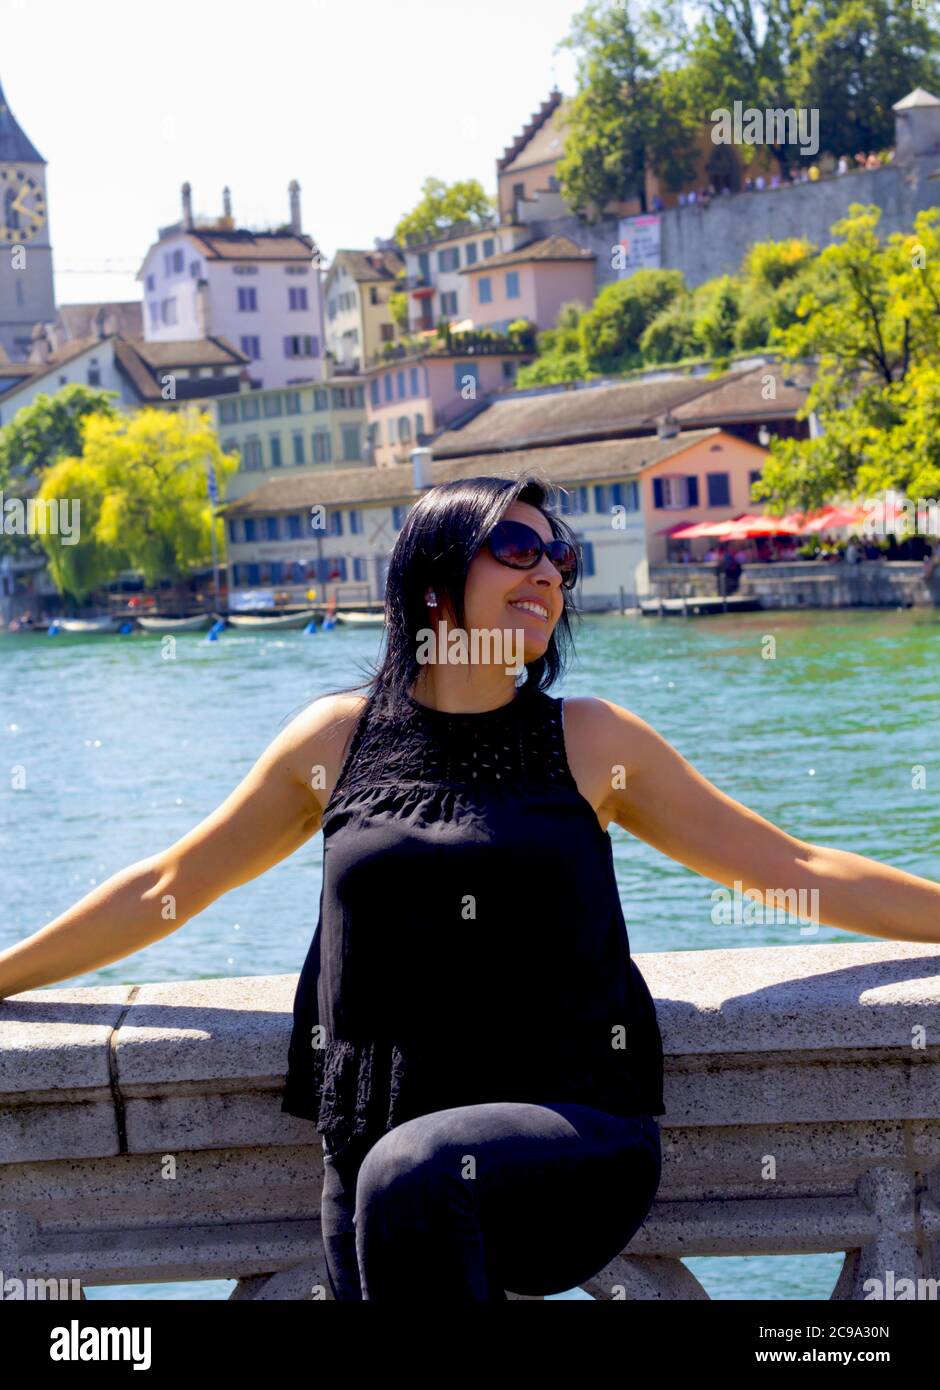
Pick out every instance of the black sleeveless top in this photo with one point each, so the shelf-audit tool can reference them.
(471, 945)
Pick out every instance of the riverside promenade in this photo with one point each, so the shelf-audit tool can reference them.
(141, 1136)
(808, 584)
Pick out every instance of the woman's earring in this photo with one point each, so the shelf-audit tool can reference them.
(431, 598)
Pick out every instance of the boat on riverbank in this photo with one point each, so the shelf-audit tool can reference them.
(108, 623)
(273, 622)
(362, 619)
(194, 624)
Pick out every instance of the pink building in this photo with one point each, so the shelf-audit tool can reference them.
(410, 398)
(531, 282)
(259, 291)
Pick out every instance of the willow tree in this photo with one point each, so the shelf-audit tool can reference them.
(140, 482)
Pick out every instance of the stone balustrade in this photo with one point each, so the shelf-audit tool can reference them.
(141, 1136)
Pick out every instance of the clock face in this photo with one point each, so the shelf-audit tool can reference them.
(22, 205)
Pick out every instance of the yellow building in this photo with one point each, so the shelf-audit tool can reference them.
(356, 313)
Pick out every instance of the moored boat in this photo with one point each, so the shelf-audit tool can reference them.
(108, 623)
(194, 624)
(362, 619)
(273, 622)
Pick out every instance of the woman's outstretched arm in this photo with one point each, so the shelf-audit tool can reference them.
(273, 811)
(659, 796)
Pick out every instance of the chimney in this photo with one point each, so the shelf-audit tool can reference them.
(293, 190)
(421, 468)
(202, 308)
(41, 349)
(227, 203)
(187, 207)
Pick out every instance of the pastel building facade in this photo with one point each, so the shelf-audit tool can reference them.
(532, 282)
(607, 492)
(292, 431)
(409, 398)
(526, 170)
(356, 294)
(259, 290)
(434, 284)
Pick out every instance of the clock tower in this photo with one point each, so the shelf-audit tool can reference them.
(27, 296)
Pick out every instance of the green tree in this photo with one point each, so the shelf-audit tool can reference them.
(671, 335)
(717, 306)
(627, 117)
(870, 317)
(611, 329)
(443, 206)
(140, 481)
(852, 59)
(559, 351)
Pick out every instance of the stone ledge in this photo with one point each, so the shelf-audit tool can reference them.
(141, 1135)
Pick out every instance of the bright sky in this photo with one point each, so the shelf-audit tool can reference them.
(360, 101)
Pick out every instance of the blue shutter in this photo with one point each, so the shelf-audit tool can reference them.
(657, 492)
(692, 481)
(618, 500)
(599, 505)
(587, 551)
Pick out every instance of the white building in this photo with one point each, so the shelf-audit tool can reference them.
(259, 291)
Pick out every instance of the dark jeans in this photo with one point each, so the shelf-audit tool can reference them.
(466, 1203)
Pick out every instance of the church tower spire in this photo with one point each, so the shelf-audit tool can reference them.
(14, 144)
(27, 293)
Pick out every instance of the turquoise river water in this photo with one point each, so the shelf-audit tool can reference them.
(125, 751)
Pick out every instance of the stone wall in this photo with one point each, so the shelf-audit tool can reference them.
(705, 242)
(808, 584)
(141, 1135)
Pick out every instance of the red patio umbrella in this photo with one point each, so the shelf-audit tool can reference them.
(832, 518)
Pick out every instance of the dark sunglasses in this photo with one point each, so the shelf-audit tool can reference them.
(519, 546)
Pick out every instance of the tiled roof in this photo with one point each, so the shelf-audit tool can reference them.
(125, 316)
(142, 363)
(609, 458)
(189, 352)
(515, 421)
(66, 353)
(743, 397)
(365, 266)
(550, 248)
(253, 246)
(35, 371)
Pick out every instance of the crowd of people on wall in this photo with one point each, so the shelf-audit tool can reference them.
(761, 183)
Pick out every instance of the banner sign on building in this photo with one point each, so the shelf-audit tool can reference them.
(638, 247)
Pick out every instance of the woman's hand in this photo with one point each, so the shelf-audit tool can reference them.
(271, 813)
(660, 797)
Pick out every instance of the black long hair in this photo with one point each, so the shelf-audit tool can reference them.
(442, 533)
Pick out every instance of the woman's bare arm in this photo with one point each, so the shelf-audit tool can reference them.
(273, 811)
(660, 797)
